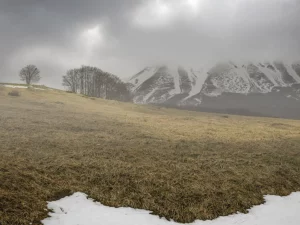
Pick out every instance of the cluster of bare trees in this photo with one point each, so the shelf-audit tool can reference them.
(94, 82)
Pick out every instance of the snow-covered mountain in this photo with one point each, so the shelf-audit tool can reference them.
(187, 87)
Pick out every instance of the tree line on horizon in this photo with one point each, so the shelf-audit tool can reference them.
(86, 80)
(94, 82)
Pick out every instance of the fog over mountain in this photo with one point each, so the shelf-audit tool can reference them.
(123, 37)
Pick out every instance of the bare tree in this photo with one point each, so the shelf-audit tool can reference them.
(30, 74)
(71, 80)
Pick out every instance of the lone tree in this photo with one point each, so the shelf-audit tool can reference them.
(30, 74)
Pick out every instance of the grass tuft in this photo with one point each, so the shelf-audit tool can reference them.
(14, 93)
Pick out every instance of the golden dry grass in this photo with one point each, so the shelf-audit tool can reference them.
(181, 165)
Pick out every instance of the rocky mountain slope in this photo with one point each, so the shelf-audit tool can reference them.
(270, 88)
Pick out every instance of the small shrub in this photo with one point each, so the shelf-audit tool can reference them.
(59, 103)
(14, 93)
(188, 118)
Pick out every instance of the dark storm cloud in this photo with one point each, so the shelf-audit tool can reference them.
(122, 36)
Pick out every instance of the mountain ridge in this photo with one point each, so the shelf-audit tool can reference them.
(179, 86)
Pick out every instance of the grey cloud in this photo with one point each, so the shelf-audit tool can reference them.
(45, 32)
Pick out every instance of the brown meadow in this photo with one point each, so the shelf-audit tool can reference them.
(181, 165)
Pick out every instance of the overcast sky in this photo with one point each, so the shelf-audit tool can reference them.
(124, 36)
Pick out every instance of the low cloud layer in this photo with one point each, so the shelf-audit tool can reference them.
(122, 37)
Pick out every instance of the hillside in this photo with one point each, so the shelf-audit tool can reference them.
(266, 89)
(182, 165)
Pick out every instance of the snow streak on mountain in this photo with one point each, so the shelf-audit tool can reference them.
(221, 86)
(164, 83)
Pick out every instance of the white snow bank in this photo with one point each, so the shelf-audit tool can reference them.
(78, 210)
(14, 86)
(17, 86)
(39, 89)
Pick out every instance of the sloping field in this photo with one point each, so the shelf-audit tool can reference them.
(181, 165)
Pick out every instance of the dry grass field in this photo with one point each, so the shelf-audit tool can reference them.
(181, 165)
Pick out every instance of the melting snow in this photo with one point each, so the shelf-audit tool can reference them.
(79, 210)
(14, 86)
(289, 96)
(24, 87)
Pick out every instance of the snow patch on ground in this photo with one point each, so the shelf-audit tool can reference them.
(79, 210)
(14, 86)
(23, 87)
(289, 96)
